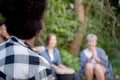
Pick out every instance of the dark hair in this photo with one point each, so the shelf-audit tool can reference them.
(24, 18)
(49, 37)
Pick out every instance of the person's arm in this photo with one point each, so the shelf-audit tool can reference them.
(59, 61)
(82, 60)
(89, 60)
(103, 57)
(54, 66)
(96, 58)
(38, 48)
(61, 66)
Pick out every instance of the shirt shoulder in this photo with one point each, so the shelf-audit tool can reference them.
(100, 50)
(83, 51)
(24, 62)
(56, 51)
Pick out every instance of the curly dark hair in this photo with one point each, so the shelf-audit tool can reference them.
(24, 18)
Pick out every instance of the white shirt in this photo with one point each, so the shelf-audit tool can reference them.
(51, 56)
(89, 55)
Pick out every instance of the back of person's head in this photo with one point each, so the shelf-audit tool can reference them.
(23, 18)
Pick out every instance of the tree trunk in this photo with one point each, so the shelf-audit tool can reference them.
(75, 44)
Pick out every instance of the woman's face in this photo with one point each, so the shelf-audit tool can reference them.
(52, 42)
(92, 43)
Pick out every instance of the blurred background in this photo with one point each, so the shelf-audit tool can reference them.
(72, 20)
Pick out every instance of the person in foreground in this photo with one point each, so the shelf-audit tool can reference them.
(24, 23)
(52, 55)
(94, 61)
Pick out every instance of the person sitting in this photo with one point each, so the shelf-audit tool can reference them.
(94, 62)
(52, 55)
(24, 23)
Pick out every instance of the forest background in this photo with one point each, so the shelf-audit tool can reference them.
(73, 20)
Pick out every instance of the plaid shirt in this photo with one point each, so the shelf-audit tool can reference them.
(19, 62)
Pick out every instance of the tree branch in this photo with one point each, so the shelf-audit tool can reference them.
(114, 20)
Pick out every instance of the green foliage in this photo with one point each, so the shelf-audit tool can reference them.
(69, 1)
(61, 20)
(116, 70)
(69, 60)
(100, 20)
(1, 18)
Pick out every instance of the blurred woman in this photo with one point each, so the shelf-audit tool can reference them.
(52, 55)
(94, 62)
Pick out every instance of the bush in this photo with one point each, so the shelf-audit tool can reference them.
(69, 60)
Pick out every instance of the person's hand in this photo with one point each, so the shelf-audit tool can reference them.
(53, 78)
(62, 66)
(89, 60)
(38, 48)
(96, 58)
(54, 66)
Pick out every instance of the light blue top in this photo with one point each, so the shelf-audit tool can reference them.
(104, 62)
(57, 59)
